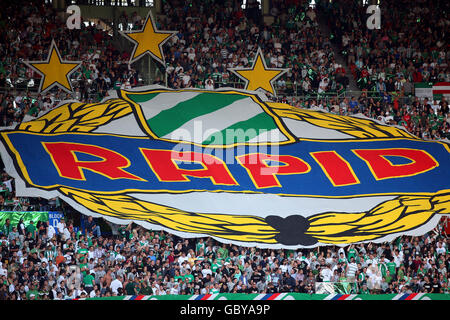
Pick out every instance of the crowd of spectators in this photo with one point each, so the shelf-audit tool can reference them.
(409, 47)
(41, 262)
(425, 118)
(37, 263)
(26, 31)
(216, 35)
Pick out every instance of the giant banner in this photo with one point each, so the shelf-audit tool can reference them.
(232, 165)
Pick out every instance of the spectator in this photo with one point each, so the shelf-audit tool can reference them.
(91, 226)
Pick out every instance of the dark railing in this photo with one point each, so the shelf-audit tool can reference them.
(291, 91)
(113, 3)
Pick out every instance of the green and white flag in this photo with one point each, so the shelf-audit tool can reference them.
(206, 117)
(432, 91)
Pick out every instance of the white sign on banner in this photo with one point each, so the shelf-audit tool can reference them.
(54, 218)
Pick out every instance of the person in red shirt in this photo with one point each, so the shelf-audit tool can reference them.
(417, 76)
(407, 118)
(364, 73)
(396, 104)
(416, 263)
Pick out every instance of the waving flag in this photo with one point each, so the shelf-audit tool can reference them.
(232, 165)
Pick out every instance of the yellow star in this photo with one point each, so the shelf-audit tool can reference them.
(54, 71)
(148, 40)
(259, 76)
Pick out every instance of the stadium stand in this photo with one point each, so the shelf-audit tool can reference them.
(36, 263)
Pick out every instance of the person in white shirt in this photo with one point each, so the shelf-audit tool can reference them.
(60, 226)
(175, 289)
(323, 85)
(326, 273)
(116, 284)
(66, 233)
(209, 84)
(50, 230)
(3, 272)
(155, 289)
(182, 258)
(440, 249)
(94, 293)
(352, 267)
(206, 271)
(398, 258)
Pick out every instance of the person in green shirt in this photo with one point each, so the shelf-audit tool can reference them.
(6, 228)
(200, 246)
(177, 276)
(31, 228)
(223, 251)
(382, 266)
(215, 289)
(392, 267)
(351, 252)
(422, 270)
(33, 293)
(83, 266)
(145, 289)
(215, 265)
(364, 289)
(362, 276)
(89, 282)
(440, 118)
(188, 277)
(388, 278)
(82, 251)
(131, 288)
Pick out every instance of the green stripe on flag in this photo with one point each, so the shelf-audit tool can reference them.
(168, 120)
(243, 131)
(423, 85)
(142, 97)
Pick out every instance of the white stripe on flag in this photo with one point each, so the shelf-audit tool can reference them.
(202, 127)
(280, 296)
(441, 88)
(418, 296)
(164, 101)
(259, 296)
(213, 296)
(273, 135)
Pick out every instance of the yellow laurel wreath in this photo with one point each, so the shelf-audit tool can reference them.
(398, 215)
(78, 117)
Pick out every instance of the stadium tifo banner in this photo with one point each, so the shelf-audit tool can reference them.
(285, 296)
(432, 91)
(231, 165)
